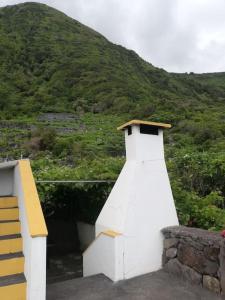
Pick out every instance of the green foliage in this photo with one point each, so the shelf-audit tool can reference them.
(198, 187)
(50, 62)
(95, 169)
(195, 211)
(81, 201)
(42, 139)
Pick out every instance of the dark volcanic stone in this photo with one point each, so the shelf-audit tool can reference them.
(171, 253)
(196, 244)
(164, 258)
(175, 267)
(196, 259)
(191, 257)
(57, 117)
(222, 266)
(169, 243)
(212, 253)
(202, 236)
(211, 267)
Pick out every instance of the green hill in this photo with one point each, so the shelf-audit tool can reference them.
(51, 62)
(64, 88)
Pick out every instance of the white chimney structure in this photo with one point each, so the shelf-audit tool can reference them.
(128, 239)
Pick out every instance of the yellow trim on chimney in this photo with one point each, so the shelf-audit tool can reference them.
(36, 221)
(111, 233)
(138, 122)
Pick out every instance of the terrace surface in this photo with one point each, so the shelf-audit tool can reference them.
(154, 286)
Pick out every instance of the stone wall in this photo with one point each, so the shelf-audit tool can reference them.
(195, 255)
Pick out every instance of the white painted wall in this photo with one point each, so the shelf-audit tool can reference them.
(104, 256)
(142, 147)
(6, 181)
(34, 249)
(140, 205)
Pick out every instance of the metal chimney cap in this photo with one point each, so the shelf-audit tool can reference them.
(148, 123)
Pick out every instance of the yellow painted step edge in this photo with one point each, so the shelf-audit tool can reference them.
(9, 214)
(11, 266)
(9, 228)
(13, 292)
(8, 202)
(11, 246)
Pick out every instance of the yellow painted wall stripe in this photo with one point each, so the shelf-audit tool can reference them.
(8, 202)
(9, 228)
(9, 214)
(36, 221)
(11, 266)
(11, 246)
(13, 292)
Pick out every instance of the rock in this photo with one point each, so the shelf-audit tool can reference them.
(169, 243)
(175, 267)
(164, 258)
(211, 283)
(200, 236)
(212, 253)
(211, 267)
(171, 253)
(222, 267)
(194, 244)
(57, 117)
(196, 259)
(191, 257)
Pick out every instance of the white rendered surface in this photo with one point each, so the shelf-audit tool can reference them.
(139, 205)
(34, 250)
(142, 147)
(6, 181)
(104, 256)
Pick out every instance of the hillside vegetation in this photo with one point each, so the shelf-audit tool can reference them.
(64, 89)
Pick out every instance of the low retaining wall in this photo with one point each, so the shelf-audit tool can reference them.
(195, 255)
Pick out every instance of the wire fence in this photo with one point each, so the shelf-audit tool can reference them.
(74, 181)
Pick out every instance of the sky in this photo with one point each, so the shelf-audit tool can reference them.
(176, 35)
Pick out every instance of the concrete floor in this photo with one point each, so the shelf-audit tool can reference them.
(64, 267)
(154, 286)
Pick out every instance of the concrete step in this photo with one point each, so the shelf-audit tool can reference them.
(11, 243)
(9, 227)
(11, 263)
(13, 287)
(158, 285)
(8, 202)
(7, 214)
